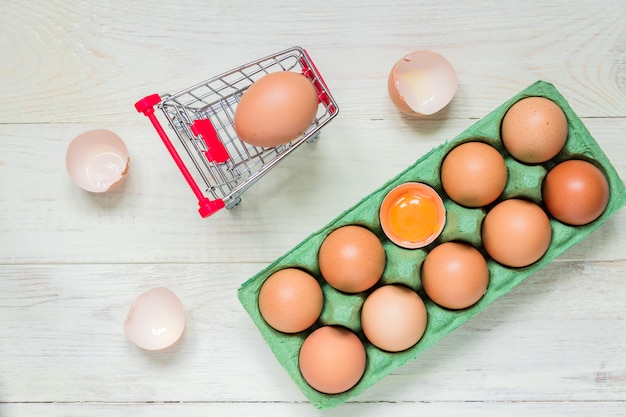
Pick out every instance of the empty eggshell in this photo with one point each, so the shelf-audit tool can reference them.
(422, 83)
(156, 319)
(97, 160)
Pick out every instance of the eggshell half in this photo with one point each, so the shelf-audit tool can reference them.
(156, 319)
(412, 215)
(422, 83)
(97, 160)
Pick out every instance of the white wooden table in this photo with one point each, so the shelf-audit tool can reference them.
(71, 263)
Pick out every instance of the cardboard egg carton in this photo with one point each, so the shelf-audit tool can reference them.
(403, 265)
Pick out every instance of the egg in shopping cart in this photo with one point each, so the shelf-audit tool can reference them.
(97, 160)
(276, 109)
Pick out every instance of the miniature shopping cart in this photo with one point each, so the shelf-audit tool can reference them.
(202, 118)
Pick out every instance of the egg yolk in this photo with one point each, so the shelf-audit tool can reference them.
(414, 217)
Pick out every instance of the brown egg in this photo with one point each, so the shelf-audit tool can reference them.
(332, 359)
(575, 192)
(455, 275)
(352, 259)
(474, 174)
(516, 232)
(291, 300)
(534, 130)
(276, 109)
(393, 318)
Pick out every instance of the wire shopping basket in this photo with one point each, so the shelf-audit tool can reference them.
(202, 118)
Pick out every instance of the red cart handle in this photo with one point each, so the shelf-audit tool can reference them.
(146, 106)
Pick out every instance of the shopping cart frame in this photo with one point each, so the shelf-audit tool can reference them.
(202, 118)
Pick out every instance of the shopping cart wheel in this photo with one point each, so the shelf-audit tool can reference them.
(233, 202)
(313, 138)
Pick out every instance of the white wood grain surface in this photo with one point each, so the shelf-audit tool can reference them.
(71, 262)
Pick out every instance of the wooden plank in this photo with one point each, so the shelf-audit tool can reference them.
(48, 219)
(279, 409)
(75, 62)
(559, 336)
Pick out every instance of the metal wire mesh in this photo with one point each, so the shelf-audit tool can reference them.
(216, 100)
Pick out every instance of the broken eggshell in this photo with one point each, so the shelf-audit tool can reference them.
(97, 160)
(422, 83)
(156, 320)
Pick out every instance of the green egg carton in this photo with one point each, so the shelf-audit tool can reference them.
(403, 265)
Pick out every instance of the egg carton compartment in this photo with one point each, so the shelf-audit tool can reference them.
(403, 266)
